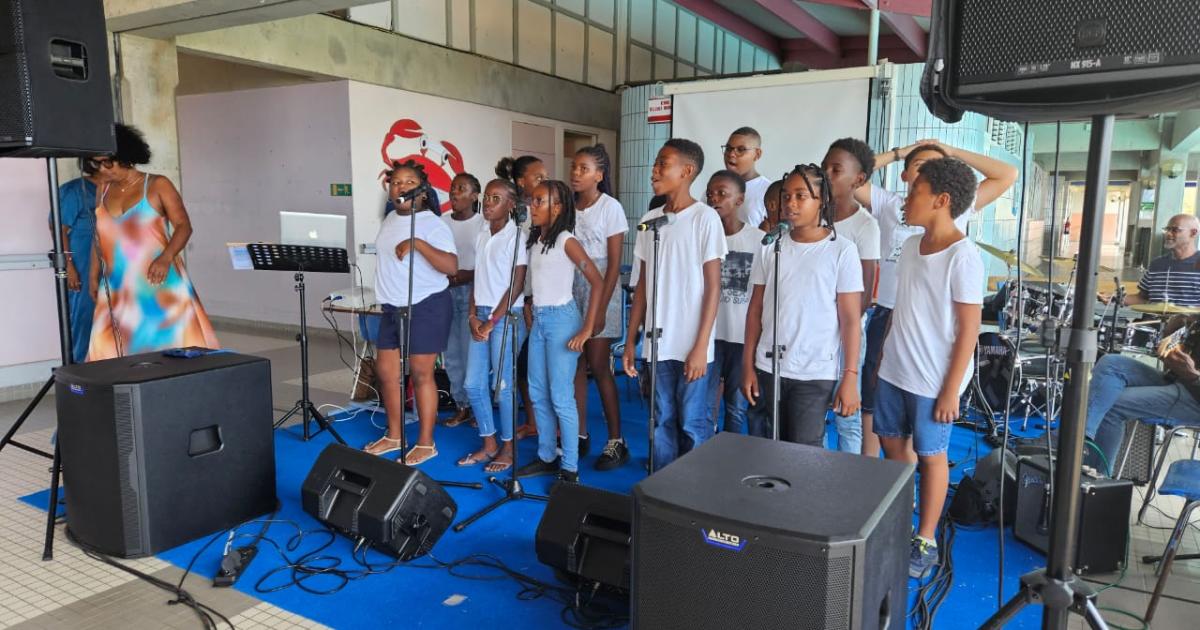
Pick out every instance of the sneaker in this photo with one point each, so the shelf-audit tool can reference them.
(923, 558)
(568, 476)
(615, 455)
(538, 467)
(585, 444)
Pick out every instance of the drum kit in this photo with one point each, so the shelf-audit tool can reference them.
(1020, 359)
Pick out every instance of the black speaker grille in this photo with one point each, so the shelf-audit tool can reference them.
(683, 582)
(997, 37)
(1135, 459)
(16, 119)
(130, 508)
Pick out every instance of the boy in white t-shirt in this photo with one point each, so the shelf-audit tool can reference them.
(848, 164)
(725, 194)
(741, 154)
(928, 351)
(820, 295)
(688, 283)
(886, 206)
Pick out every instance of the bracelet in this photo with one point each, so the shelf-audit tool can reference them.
(895, 154)
(495, 319)
(850, 371)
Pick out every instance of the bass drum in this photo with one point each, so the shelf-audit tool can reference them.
(997, 359)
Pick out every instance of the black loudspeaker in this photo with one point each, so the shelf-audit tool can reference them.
(1103, 519)
(55, 92)
(397, 508)
(1045, 61)
(745, 532)
(585, 534)
(158, 451)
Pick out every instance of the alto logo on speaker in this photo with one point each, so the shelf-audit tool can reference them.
(724, 540)
(76, 389)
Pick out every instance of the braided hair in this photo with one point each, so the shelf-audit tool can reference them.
(812, 172)
(556, 192)
(429, 195)
(600, 154)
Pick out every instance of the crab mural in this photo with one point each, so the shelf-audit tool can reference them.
(441, 163)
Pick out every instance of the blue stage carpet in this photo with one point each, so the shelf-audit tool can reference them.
(421, 597)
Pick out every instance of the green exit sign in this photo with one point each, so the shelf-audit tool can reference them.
(339, 190)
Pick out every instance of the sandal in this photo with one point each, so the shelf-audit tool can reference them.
(463, 415)
(383, 446)
(471, 460)
(525, 431)
(412, 459)
(497, 467)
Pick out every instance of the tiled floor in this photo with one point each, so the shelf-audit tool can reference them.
(74, 591)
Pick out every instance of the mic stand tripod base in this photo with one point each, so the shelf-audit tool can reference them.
(513, 491)
(1071, 595)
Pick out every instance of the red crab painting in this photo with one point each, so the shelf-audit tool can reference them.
(441, 164)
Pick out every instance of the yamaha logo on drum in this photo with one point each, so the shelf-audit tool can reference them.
(724, 540)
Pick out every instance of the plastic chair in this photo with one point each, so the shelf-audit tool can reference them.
(1183, 480)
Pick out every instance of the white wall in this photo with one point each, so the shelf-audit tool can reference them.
(29, 321)
(245, 156)
(481, 135)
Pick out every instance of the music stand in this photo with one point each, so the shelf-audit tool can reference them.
(301, 259)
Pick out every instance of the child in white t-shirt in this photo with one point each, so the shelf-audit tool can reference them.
(688, 285)
(928, 352)
(771, 204)
(820, 294)
(741, 155)
(465, 221)
(726, 191)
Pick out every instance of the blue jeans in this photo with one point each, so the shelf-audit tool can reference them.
(483, 362)
(849, 428)
(683, 422)
(552, 381)
(877, 326)
(1123, 389)
(727, 366)
(900, 413)
(454, 359)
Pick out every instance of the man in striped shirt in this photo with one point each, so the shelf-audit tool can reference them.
(1174, 277)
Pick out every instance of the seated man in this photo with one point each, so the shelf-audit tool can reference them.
(1124, 389)
(1175, 276)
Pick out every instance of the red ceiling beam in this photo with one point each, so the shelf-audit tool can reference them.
(853, 52)
(906, 28)
(920, 8)
(803, 21)
(734, 23)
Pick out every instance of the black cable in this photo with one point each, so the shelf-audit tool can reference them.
(203, 612)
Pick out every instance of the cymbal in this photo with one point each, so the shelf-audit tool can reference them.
(1070, 260)
(1009, 258)
(1164, 308)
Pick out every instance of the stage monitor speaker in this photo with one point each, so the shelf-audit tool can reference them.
(55, 92)
(1046, 61)
(397, 508)
(158, 450)
(1103, 519)
(745, 532)
(585, 534)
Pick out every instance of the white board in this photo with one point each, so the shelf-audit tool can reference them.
(797, 122)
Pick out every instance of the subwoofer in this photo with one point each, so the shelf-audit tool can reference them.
(159, 450)
(55, 92)
(396, 508)
(745, 532)
(1043, 61)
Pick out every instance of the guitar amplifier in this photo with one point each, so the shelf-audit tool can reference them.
(1103, 534)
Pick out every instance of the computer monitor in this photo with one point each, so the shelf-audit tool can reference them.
(308, 228)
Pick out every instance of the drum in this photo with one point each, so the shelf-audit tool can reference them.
(997, 358)
(1142, 337)
(1107, 334)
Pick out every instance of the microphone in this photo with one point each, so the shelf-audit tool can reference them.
(783, 227)
(408, 196)
(653, 224)
(519, 212)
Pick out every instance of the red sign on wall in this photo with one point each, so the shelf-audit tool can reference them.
(658, 110)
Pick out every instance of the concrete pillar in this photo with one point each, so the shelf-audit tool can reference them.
(149, 74)
(1168, 196)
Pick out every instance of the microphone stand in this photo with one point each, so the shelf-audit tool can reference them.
(406, 343)
(776, 349)
(513, 490)
(654, 333)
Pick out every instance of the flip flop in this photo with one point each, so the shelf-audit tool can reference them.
(470, 459)
(383, 446)
(497, 467)
(408, 457)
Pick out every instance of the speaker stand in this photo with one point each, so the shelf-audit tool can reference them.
(1061, 596)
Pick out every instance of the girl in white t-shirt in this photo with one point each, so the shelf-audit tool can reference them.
(465, 221)
(600, 226)
(432, 256)
(498, 286)
(820, 293)
(559, 331)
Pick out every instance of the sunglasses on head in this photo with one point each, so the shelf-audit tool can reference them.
(99, 163)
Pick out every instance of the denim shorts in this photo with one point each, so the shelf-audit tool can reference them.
(431, 319)
(900, 414)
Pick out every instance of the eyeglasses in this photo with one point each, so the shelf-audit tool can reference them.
(1174, 230)
(736, 150)
(99, 163)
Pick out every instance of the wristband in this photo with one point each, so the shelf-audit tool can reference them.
(896, 154)
(850, 371)
(495, 319)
